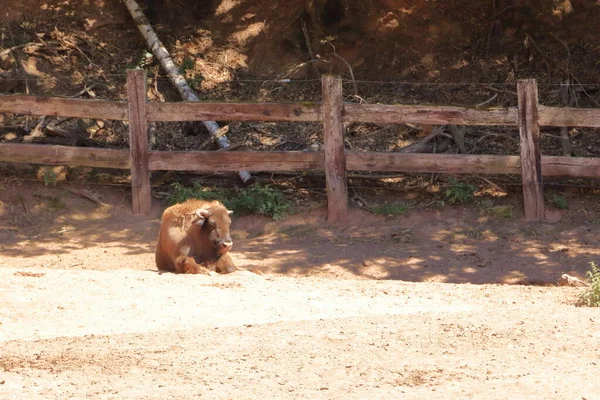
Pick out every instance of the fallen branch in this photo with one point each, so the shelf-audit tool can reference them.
(232, 147)
(568, 280)
(361, 202)
(163, 56)
(422, 146)
(55, 131)
(458, 132)
(487, 101)
(6, 52)
(220, 133)
(351, 73)
(560, 67)
(86, 194)
(492, 184)
(308, 46)
(162, 179)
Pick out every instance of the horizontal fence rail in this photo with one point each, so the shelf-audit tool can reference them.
(234, 161)
(193, 111)
(65, 155)
(430, 115)
(59, 107)
(335, 160)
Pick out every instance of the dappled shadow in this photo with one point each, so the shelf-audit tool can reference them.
(46, 225)
(52, 227)
(451, 245)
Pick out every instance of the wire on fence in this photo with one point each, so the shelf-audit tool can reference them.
(440, 185)
(316, 80)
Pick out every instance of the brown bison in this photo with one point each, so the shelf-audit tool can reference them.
(194, 238)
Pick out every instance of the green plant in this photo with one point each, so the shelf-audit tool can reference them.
(591, 296)
(182, 193)
(459, 192)
(196, 80)
(559, 202)
(49, 177)
(187, 64)
(390, 209)
(256, 200)
(501, 211)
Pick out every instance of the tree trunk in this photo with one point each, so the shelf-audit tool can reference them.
(163, 56)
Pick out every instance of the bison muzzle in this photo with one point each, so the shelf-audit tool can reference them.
(194, 238)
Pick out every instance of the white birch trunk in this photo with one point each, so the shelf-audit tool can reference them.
(172, 70)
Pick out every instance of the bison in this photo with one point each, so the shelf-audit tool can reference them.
(194, 238)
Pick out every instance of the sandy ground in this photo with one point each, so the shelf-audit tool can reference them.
(380, 308)
(136, 334)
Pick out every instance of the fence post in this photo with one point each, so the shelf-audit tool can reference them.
(335, 157)
(141, 195)
(531, 160)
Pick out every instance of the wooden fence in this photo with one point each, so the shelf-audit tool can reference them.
(334, 160)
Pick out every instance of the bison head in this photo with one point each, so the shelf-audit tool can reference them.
(215, 223)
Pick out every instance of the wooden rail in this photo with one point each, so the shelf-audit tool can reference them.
(529, 116)
(59, 107)
(431, 115)
(191, 111)
(234, 161)
(65, 155)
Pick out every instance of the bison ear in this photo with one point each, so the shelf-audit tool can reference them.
(201, 215)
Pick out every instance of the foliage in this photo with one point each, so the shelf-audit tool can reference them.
(559, 202)
(591, 296)
(497, 211)
(459, 192)
(502, 211)
(256, 200)
(390, 209)
(49, 177)
(187, 64)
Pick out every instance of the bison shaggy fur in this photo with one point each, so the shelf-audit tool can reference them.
(194, 238)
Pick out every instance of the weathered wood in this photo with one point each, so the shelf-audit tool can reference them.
(234, 161)
(431, 115)
(64, 155)
(196, 111)
(565, 141)
(575, 167)
(141, 195)
(442, 163)
(59, 107)
(294, 161)
(469, 164)
(569, 116)
(335, 157)
(531, 159)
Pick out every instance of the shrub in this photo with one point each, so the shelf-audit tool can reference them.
(559, 202)
(459, 192)
(591, 296)
(256, 200)
(390, 209)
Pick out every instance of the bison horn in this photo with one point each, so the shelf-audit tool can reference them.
(202, 215)
(229, 212)
(202, 212)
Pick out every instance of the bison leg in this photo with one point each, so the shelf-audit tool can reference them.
(225, 264)
(163, 263)
(187, 265)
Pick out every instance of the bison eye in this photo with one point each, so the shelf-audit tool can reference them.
(212, 224)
